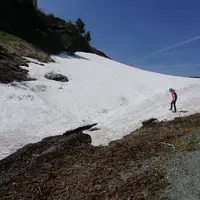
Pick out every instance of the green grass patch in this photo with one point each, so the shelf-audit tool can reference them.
(6, 37)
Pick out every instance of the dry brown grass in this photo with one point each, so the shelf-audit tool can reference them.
(19, 47)
(116, 172)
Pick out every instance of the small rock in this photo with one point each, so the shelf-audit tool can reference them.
(56, 77)
(149, 122)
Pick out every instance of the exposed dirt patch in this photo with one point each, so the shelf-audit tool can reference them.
(130, 168)
(10, 69)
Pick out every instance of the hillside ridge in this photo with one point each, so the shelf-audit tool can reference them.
(25, 30)
(47, 32)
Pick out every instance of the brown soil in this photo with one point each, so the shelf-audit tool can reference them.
(79, 171)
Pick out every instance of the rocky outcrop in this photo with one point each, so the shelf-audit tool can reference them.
(10, 69)
(32, 155)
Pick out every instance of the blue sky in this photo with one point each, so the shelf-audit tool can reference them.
(130, 30)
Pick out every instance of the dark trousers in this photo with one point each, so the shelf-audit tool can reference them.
(173, 104)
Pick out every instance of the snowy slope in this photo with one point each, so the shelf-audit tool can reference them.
(116, 96)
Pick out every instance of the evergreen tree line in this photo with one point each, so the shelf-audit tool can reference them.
(51, 34)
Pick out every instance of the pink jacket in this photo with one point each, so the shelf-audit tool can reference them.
(173, 96)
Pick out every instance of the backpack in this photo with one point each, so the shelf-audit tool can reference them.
(176, 97)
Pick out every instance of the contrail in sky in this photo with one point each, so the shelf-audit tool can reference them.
(168, 48)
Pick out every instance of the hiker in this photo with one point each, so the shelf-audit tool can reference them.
(174, 99)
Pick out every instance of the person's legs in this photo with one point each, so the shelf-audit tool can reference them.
(174, 106)
(171, 105)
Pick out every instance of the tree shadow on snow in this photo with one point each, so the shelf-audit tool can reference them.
(78, 57)
(65, 55)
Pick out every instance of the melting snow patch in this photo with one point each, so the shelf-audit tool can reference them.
(118, 97)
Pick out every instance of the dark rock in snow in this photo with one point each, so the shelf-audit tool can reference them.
(149, 122)
(56, 77)
(80, 129)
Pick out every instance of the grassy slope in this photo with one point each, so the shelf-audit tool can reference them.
(20, 47)
(4, 37)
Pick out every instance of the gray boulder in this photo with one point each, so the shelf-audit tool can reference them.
(56, 77)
